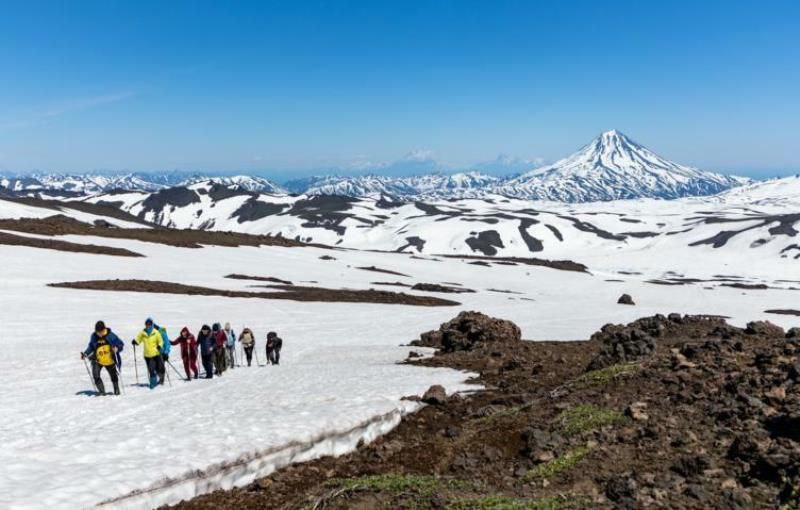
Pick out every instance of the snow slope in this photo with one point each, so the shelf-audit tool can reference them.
(339, 380)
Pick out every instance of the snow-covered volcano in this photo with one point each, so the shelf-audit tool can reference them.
(615, 167)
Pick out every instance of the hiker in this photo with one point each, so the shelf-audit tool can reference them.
(188, 352)
(165, 350)
(206, 344)
(274, 344)
(152, 342)
(248, 341)
(230, 345)
(220, 339)
(104, 350)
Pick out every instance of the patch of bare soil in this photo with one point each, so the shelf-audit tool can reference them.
(748, 286)
(504, 291)
(63, 225)
(379, 270)
(435, 287)
(52, 244)
(784, 311)
(272, 279)
(290, 292)
(394, 284)
(562, 265)
(675, 412)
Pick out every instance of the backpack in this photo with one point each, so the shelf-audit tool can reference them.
(166, 347)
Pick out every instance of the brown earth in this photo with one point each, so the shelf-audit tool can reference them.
(686, 412)
(53, 244)
(562, 265)
(784, 311)
(272, 279)
(63, 225)
(379, 270)
(435, 287)
(289, 292)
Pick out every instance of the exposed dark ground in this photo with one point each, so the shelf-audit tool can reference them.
(675, 412)
(54, 244)
(63, 225)
(289, 292)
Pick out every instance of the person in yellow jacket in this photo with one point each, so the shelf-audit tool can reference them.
(152, 343)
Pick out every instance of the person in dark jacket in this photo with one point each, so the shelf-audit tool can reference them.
(274, 344)
(205, 344)
(220, 340)
(188, 352)
(104, 350)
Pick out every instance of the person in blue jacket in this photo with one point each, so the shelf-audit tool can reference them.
(166, 347)
(104, 350)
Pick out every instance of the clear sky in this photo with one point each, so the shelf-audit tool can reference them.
(289, 87)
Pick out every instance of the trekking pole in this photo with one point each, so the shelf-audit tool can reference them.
(258, 361)
(136, 364)
(175, 369)
(90, 375)
(167, 374)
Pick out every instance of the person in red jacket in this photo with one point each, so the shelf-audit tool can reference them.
(220, 339)
(188, 352)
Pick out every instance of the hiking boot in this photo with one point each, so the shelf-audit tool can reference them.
(116, 389)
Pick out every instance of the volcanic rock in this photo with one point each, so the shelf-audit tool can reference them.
(764, 328)
(436, 395)
(469, 330)
(625, 299)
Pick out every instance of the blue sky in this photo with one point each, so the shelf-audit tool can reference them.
(289, 88)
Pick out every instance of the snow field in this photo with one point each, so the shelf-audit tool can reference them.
(64, 449)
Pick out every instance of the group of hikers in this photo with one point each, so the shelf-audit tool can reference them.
(215, 345)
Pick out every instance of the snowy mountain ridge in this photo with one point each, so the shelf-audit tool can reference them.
(94, 184)
(460, 185)
(611, 167)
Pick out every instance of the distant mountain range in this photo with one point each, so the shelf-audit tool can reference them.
(756, 218)
(609, 168)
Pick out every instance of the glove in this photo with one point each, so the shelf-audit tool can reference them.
(134, 342)
(166, 356)
(83, 355)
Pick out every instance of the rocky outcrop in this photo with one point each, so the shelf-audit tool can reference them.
(763, 328)
(625, 299)
(469, 330)
(637, 341)
(435, 395)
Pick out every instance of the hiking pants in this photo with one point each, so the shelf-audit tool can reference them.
(248, 352)
(155, 370)
(162, 368)
(274, 356)
(190, 366)
(230, 356)
(219, 360)
(98, 381)
(207, 365)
